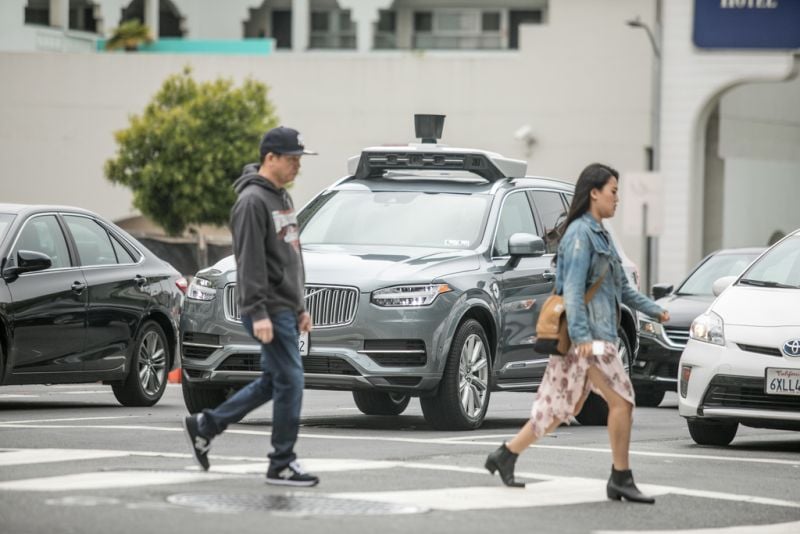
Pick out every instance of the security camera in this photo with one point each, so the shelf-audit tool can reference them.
(524, 133)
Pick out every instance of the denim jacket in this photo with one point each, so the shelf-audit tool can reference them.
(585, 251)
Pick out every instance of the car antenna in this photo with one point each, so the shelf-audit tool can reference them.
(428, 128)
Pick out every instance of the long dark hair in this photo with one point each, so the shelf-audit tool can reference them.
(594, 176)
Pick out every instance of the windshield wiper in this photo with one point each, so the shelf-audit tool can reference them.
(765, 283)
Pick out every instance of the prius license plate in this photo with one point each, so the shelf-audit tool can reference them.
(304, 342)
(782, 382)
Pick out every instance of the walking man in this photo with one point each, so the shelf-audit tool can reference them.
(270, 280)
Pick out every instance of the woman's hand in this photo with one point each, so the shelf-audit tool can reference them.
(584, 350)
(664, 317)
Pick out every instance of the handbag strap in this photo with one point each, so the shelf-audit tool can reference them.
(592, 290)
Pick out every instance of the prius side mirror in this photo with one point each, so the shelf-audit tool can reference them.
(721, 284)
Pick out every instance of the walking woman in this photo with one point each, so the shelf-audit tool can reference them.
(586, 257)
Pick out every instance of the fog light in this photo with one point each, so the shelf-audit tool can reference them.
(686, 372)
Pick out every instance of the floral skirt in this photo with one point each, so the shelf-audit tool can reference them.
(565, 386)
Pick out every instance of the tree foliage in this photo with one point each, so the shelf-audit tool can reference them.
(129, 35)
(181, 156)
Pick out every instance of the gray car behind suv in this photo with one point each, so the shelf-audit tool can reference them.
(425, 271)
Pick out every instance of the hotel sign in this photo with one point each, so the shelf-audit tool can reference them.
(747, 24)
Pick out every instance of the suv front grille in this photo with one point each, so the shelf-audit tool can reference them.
(678, 336)
(199, 346)
(326, 365)
(746, 392)
(329, 306)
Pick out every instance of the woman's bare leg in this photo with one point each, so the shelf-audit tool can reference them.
(526, 437)
(619, 419)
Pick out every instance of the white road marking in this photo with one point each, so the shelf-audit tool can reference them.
(428, 441)
(88, 392)
(16, 396)
(34, 422)
(778, 528)
(43, 456)
(105, 480)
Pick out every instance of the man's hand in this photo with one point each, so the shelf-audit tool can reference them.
(262, 330)
(304, 322)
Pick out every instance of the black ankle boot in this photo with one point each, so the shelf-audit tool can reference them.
(621, 485)
(503, 460)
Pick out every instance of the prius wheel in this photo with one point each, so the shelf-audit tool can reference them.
(380, 403)
(463, 395)
(147, 375)
(595, 409)
(718, 433)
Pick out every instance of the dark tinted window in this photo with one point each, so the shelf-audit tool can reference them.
(94, 244)
(515, 217)
(123, 256)
(43, 234)
(551, 212)
(423, 21)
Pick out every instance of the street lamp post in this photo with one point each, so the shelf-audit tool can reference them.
(650, 246)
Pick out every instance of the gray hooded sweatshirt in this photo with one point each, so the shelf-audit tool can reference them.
(266, 243)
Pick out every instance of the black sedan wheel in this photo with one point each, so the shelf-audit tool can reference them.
(463, 395)
(595, 409)
(147, 377)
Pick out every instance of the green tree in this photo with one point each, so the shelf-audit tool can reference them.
(129, 35)
(181, 156)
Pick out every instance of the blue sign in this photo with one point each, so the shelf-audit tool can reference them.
(761, 24)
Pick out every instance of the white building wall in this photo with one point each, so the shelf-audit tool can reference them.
(582, 88)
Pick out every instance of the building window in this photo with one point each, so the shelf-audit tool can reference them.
(38, 12)
(386, 30)
(332, 29)
(459, 29)
(515, 19)
(81, 16)
(170, 21)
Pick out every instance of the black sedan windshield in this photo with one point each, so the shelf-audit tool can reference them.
(780, 267)
(395, 218)
(726, 264)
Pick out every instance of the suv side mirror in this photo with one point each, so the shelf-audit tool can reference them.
(27, 261)
(721, 284)
(661, 290)
(525, 245)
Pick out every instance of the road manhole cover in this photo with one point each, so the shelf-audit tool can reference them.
(298, 504)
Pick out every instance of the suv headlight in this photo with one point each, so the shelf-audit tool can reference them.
(708, 328)
(399, 296)
(650, 327)
(201, 289)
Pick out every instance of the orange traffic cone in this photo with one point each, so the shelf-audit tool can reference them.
(174, 376)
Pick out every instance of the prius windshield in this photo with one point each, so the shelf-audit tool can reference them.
(395, 218)
(778, 267)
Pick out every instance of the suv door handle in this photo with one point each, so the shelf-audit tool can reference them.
(549, 275)
(78, 287)
(140, 280)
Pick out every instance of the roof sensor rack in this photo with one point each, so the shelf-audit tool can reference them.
(428, 156)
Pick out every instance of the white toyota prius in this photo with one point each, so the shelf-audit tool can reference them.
(742, 362)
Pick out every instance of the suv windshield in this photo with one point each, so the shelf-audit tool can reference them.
(399, 218)
(5, 222)
(780, 267)
(701, 281)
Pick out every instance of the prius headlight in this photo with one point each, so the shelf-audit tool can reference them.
(201, 289)
(708, 328)
(401, 296)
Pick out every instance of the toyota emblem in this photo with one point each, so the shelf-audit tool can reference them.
(792, 347)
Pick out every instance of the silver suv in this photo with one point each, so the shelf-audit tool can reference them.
(426, 268)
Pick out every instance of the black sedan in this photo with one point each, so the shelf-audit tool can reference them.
(83, 301)
(660, 346)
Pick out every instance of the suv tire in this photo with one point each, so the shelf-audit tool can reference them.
(648, 397)
(149, 356)
(712, 433)
(380, 403)
(467, 367)
(595, 409)
(198, 399)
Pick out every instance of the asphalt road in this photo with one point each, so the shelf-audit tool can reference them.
(73, 460)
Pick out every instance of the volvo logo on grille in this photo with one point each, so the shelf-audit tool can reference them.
(792, 347)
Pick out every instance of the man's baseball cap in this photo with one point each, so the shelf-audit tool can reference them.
(283, 140)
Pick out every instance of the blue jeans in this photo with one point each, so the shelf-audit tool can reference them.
(281, 380)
